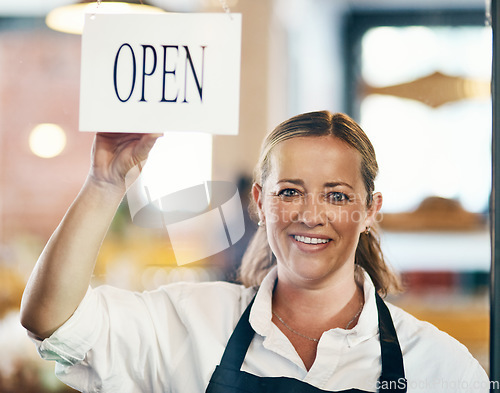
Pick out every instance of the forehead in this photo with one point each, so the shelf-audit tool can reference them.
(322, 159)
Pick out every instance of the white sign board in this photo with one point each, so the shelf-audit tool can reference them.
(161, 72)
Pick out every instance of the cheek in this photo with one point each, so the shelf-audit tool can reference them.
(281, 213)
(347, 217)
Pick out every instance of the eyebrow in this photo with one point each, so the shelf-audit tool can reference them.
(332, 184)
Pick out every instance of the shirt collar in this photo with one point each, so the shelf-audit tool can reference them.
(261, 312)
(367, 326)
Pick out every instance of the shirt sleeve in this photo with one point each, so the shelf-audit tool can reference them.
(435, 361)
(69, 344)
(111, 342)
(475, 379)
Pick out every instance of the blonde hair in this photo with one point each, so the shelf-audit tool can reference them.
(258, 258)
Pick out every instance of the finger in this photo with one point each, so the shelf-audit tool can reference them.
(146, 144)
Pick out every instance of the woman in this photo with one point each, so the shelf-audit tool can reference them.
(308, 319)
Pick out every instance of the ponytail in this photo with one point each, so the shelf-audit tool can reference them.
(257, 260)
(369, 256)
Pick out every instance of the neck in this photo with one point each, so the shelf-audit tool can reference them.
(325, 306)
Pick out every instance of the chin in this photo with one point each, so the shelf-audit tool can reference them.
(310, 272)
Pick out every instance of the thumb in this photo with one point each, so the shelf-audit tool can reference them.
(145, 145)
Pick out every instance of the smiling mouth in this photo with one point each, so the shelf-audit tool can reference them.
(310, 240)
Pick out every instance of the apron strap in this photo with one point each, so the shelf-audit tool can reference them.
(239, 342)
(393, 374)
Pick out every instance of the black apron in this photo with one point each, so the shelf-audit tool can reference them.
(228, 378)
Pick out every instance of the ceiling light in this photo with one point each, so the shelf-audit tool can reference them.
(70, 18)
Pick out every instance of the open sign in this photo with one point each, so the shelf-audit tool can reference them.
(165, 71)
(160, 72)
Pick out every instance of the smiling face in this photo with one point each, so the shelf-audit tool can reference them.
(314, 206)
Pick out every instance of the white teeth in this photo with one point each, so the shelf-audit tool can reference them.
(310, 240)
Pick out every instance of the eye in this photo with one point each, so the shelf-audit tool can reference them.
(337, 197)
(288, 193)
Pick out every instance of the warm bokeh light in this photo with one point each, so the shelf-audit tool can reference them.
(70, 19)
(47, 140)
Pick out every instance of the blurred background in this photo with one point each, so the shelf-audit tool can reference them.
(415, 74)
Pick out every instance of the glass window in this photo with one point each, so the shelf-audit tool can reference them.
(425, 103)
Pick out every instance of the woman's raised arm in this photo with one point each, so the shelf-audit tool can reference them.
(62, 274)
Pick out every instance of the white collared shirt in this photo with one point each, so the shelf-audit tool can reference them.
(171, 339)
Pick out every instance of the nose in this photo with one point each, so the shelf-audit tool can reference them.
(313, 211)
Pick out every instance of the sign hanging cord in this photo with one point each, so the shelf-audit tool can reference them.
(225, 7)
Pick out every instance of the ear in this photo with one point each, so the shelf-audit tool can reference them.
(257, 197)
(373, 209)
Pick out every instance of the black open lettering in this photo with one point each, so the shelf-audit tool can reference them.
(153, 68)
(190, 60)
(165, 72)
(133, 73)
(171, 86)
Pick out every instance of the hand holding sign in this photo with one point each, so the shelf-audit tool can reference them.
(115, 154)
